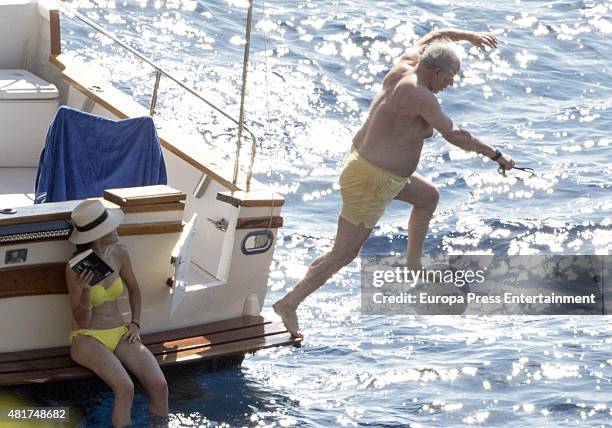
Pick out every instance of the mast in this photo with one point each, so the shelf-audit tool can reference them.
(245, 64)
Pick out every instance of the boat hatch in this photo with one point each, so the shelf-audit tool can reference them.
(27, 107)
(18, 84)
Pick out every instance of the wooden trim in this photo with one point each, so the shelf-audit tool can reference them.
(147, 339)
(242, 347)
(39, 213)
(144, 195)
(45, 212)
(176, 206)
(20, 219)
(38, 375)
(256, 198)
(55, 33)
(62, 211)
(33, 280)
(193, 342)
(146, 200)
(215, 327)
(273, 222)
(150, 228)
(184, 345)
(99, 94)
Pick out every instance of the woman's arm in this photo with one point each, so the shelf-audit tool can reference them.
(128, 277)
(79, 293)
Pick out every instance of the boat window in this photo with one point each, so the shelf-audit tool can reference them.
(257, 242)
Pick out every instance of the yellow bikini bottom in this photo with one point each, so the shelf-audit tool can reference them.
(108, 337)
(366, 190)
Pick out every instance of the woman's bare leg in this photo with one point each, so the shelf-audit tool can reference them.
(139, 360)
(90, 353)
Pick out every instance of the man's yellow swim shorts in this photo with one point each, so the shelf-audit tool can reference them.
(366, 190)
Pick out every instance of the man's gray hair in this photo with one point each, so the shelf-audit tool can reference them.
(440, 55)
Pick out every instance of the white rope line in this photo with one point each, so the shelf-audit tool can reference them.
(269, 132)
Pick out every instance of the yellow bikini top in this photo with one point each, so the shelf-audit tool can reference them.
(99, 294)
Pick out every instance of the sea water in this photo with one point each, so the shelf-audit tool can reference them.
(543, 96)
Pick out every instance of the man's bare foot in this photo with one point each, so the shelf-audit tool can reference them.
(289, 318)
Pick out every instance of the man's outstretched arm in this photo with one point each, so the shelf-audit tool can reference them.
(430, 110)
(478, 39)
(468, 142)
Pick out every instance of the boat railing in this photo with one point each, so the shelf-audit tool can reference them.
(161, 72)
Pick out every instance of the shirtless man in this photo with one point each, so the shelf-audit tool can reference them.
(385, 154)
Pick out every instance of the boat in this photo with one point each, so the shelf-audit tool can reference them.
(201, 245)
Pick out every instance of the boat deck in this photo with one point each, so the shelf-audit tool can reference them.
(206, 342)
(17, 187)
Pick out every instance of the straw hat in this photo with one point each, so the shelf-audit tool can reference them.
(92, 221)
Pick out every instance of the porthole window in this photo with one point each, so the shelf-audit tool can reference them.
(257, 242)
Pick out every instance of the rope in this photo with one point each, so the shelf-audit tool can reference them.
(269, 132)
(314, 238)
(530, 171)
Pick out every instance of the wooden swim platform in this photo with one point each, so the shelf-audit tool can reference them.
(207, 342)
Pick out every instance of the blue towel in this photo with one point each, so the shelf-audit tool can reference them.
(86, 154)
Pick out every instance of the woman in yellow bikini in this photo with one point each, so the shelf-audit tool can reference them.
(101, 340)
